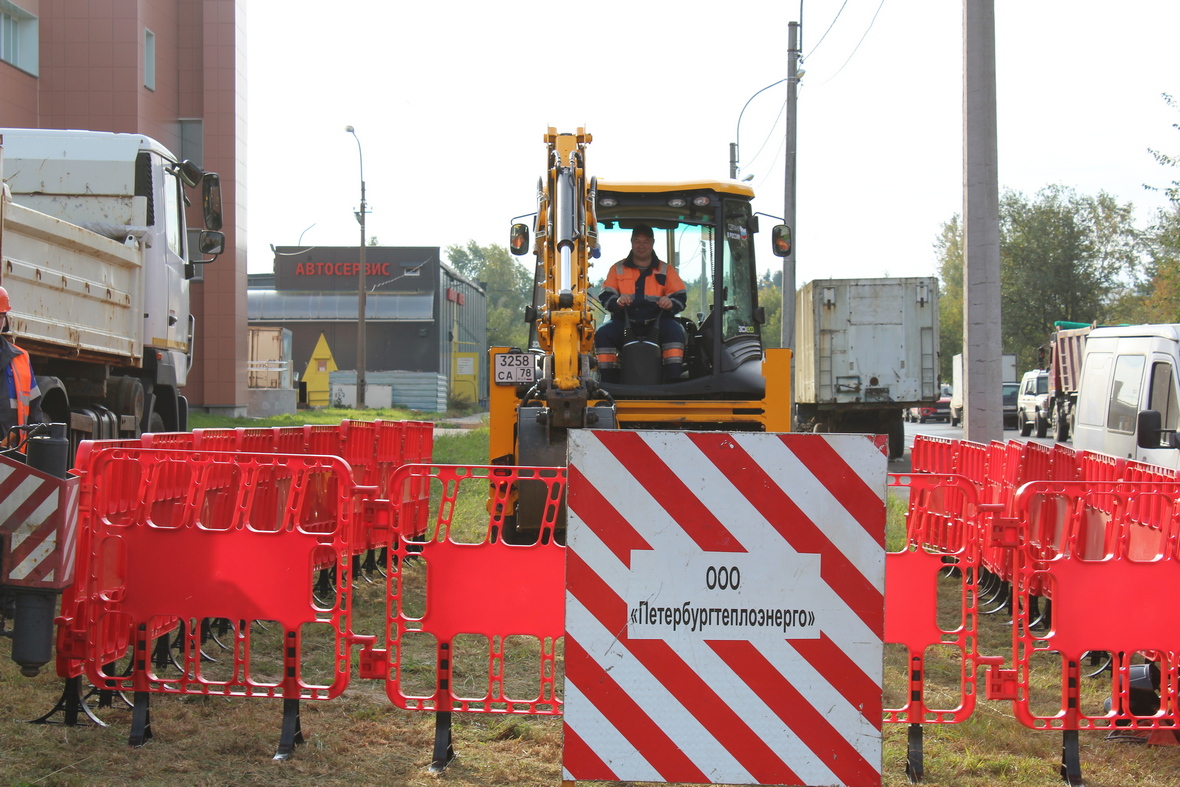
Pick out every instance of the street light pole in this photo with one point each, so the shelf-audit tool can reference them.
(734, 153)
(360, 287)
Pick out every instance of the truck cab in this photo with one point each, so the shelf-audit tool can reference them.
(1127, 371)
(97, 263)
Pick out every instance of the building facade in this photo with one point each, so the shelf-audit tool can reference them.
(174, 70)
(421, 318)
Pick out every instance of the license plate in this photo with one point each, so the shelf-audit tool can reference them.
(513, 368)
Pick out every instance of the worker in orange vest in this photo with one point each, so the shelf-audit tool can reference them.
(645, 286)
(22, 404)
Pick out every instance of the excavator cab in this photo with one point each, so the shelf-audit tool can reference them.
(706, 231)
(583, 226)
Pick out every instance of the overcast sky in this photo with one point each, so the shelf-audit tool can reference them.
(450, 102)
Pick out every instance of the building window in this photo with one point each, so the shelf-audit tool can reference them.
(149, 59)
(18, 37)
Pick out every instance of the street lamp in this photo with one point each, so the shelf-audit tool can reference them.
(733, 146)
(360, 286)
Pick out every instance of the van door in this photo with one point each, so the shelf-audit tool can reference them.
(1090, 420)
(1125, 402)
(1161, 395)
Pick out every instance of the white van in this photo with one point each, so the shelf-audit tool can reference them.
(1126, 371)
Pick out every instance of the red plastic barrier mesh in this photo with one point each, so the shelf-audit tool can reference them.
(215, 439)
(1064, 463)
(941, 557)
(970, 460)
(167, 440)
(1112, 604)
(1149, 515)
(932, 454)
(480, 600)
(205, 539)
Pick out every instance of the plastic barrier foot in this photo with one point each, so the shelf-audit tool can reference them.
(444, 752)
(913, 755)
(1071, 759)
(292, 734)
(69, 703)
(141, 720)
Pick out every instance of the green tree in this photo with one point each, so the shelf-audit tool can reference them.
(1063, 256)
(509, 286)
(1160, 300)
(949, 248)
(1173, 191)
(770, 298)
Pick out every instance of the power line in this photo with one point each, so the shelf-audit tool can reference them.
(825, 35)
(782, 110)
(858, 43)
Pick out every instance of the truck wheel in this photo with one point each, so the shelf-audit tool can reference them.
(1042, 424)
(1025, 424)
(1061, 433)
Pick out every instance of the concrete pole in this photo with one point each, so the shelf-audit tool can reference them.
(362, 298)
(982, 401)
(361, 295)
(788, 328)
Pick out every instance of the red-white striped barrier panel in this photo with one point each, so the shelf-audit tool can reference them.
(724, 608)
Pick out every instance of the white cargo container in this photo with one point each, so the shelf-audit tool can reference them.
(866, 349)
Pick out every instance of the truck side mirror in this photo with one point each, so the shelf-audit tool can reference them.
(190, 173)
(211, 200)
(518, 242)
(780, 240)
(211, 242)
(1149, 431)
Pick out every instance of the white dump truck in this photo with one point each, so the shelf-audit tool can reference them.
(866, 349)
(96, 262)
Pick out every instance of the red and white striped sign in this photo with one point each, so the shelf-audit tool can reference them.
(38, 523)
(724, 608)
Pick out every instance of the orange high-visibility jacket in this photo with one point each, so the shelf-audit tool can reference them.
(625, 278)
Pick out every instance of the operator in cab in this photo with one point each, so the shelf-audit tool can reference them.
(22, 404)
(641, 287)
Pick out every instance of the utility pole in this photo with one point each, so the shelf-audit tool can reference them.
(983, 401)
(788, 327)
(361, 295)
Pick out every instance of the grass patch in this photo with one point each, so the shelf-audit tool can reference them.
(328, 415)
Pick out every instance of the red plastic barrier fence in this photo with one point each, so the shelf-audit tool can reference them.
(491, 591)
(110, 639)
(942, 540)
(196, 537)
(1111, 602)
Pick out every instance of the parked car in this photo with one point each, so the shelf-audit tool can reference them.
(1032, 403)
(935, 411)
(1011, 393)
